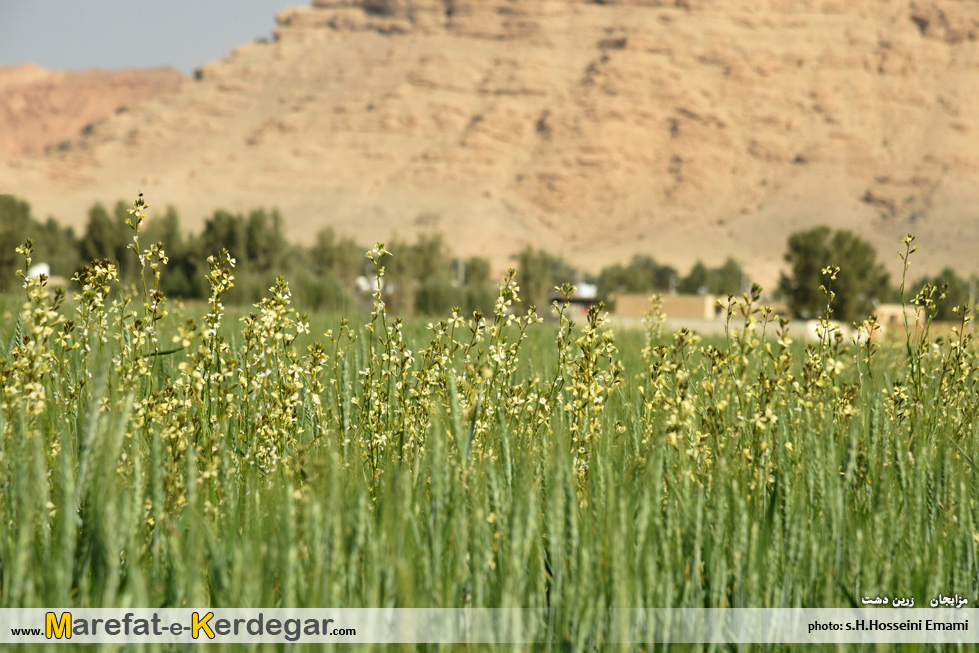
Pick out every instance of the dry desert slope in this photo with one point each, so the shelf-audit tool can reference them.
(686, 129)
(39, 109)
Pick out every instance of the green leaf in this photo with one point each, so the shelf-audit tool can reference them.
(17, 337)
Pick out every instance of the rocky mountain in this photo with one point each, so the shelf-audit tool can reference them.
(41, 108)
(684, 129)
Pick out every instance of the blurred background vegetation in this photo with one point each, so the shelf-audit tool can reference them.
(426, 278)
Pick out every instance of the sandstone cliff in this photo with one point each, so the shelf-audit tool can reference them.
(41, 108)
(682, 128)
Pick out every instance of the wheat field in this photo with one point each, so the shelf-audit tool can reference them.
(165, 456)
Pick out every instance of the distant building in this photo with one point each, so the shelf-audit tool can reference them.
(585, 296)
(586, 291)
(38, 269)
(687, 307)
(677, 307)
(891, 316)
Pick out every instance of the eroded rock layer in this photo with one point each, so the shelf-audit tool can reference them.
(41, 108)
(684, 128)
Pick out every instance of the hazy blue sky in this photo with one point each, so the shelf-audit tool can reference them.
(111, 34)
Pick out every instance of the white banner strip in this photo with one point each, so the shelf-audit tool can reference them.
(484, 625)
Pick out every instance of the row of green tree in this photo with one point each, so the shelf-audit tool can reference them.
(424, 277)
(862, 282)
(539, 271)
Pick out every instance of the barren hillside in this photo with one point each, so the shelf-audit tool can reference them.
(687, 129)
(41, 108)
